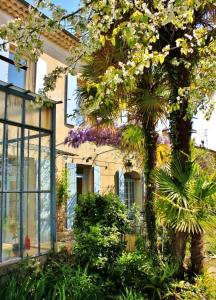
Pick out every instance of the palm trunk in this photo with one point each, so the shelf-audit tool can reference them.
(150, 137)
(178, 250)
(180, 134)
(197, 253)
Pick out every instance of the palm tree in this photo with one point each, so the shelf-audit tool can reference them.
(145, 106)
(186, 203)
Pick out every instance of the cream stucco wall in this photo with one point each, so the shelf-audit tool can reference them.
(110, 162)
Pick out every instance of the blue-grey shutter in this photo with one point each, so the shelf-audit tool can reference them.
(72, 189)
(121, 185)
(71, 102)
(4, 67)
(97, 179)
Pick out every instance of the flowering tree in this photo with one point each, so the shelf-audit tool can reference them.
(178, 36)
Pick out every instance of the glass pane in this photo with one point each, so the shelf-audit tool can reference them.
(14, 108)
(46, 118)
(0, 219)
(1, 149)
(30, 224)
(12, 163)
(45, 163)
(31, 155)
(45, 229)
(2, 104)
(3, 66)
(11, 226)
(16, 76)
(31, 113)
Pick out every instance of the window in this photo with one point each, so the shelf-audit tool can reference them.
(79, 182)
(72, 116)
(126, 187)
(11, 73)
(129, 191)
(82, 180)
(17, 76)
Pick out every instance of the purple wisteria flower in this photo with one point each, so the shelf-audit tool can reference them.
(100, 136)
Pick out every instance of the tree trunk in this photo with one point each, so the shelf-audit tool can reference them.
(178, 250)
(180, 134)
(197, 253)
(150, 137)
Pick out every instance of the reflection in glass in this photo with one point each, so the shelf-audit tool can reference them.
(129, 191)
(31, 113)
(46, 118)
(45, 225)
(2, 104)
(15, 75)
(11, 226)
(14, 108)
(12, 162)
(31, 156)
(45, 163)
(30, 224)
(1, 153)
(24, 155)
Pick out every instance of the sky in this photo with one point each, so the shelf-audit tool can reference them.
(70, 5)
(205, 130)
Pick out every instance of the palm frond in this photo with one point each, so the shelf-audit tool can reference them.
(186, 200)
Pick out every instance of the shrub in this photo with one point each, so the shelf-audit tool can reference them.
(203, 289)
(211, 243)
(137, 271)
(131, 295)
(99, 226)
(57, 280)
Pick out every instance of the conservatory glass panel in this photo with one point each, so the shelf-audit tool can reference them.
(31, 159)
(45, 163)
(30, 224)
(31, 114)
(46, 118)
(25, 176)
(14, 108)
(11, 226)
(45, 221)
(1, 153)
(12, 161)
(2, 104)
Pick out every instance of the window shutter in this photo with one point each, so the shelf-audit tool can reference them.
(4, 67)
(97, 179)
(121, 185)
(41, 71)
(71, 102)
(72, 189)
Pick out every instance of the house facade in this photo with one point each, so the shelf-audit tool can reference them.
(33, 153)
